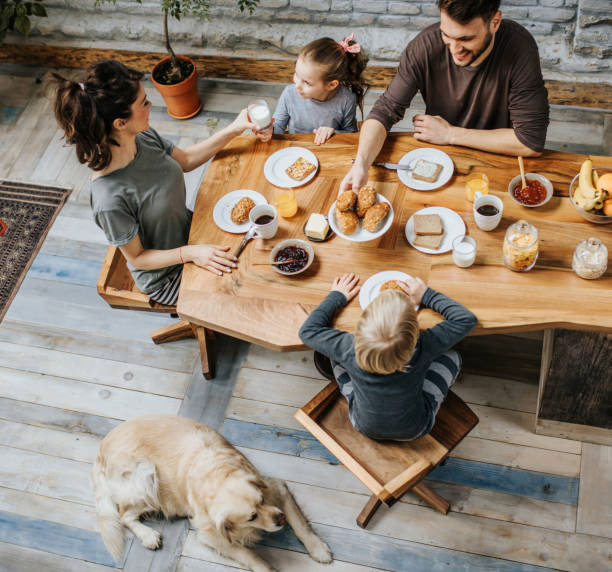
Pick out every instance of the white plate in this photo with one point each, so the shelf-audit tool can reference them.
(274, 167)
(361, 234)
(452, 224)
(222, 213)
(429, 154)
(371, 287)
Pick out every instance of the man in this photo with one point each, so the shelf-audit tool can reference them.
(481, 81)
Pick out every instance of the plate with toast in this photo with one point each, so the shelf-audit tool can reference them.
(430, 169)
(291, 167)
(433, 229)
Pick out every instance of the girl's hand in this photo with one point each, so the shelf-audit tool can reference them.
(242, 122)
(346, 285)
(415, 288)
(322, 134)
(265, 135)
(214, 257)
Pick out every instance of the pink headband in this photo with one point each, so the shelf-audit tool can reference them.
(353, 48)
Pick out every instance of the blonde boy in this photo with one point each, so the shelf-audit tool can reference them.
(393, 376)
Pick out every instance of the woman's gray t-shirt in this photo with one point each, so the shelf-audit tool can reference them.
(144, 198)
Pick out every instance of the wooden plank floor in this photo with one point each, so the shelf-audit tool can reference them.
(71, 369)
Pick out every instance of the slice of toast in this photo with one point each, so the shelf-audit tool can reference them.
(300, 169)
(428, 241)
(426, 171)
(427, 224)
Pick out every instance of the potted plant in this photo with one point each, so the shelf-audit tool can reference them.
(175, 76)
(15, 15)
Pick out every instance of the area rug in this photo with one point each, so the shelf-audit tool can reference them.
(27, 212)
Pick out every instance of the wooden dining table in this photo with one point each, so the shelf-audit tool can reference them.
(257, 304)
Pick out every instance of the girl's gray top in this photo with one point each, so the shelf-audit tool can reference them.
(388, 406)
(306, 115)
(145, 198)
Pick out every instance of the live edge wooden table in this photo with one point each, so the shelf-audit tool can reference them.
(257, 304)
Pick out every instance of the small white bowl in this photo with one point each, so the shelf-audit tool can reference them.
(531, 177)
(292, 242)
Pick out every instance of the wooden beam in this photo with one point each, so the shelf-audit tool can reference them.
(595, 95)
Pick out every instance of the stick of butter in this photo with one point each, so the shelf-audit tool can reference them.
(316, 227)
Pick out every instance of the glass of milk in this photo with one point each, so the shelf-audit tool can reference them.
(259, 113)
(464, 251)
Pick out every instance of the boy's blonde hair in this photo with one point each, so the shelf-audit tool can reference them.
(386, 333)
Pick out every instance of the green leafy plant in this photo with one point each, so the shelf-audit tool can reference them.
(177, 8)
(15, 15)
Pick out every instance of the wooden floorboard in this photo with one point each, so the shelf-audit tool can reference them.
(72, 369)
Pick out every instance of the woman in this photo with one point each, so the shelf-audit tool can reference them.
(137, 185)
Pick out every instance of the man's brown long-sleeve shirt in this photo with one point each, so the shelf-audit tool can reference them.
(505, 91)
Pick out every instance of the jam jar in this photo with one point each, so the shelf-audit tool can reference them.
(520, 249)
(590, 259)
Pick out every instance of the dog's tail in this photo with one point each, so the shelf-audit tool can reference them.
(108, 514)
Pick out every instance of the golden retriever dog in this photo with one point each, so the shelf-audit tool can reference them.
(175, 466)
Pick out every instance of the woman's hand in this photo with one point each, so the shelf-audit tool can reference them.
(415, 288)
(322, 134)
(214, 257)
(242, 122)
(346, 285)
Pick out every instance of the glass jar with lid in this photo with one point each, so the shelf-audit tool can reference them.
(520, 250)
(590, 258)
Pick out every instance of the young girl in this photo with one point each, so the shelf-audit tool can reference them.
(327, 87)
(137, 184)
(393, 377)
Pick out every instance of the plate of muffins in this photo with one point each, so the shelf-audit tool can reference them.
(379, 282)
(362, 216)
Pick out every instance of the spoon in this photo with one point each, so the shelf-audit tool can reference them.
(273, 263)
(522, 168)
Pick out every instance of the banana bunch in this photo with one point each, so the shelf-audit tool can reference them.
(586, 194)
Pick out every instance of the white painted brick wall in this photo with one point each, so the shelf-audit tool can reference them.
(574, 36)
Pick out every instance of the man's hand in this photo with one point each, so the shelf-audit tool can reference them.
(415, 288)
(214, 257)
(322, 134)
(432, 129)
(346, 285)
(356, 178)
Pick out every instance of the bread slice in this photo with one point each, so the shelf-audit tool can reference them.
(426, 171)
(427, 224)
(428, 241)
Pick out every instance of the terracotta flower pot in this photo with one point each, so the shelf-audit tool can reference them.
(182, 99)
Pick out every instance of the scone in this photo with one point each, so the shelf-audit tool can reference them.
(347, 221)
(426, 171)
(241, 210)
(375, 215)
(391, 285)
(365, 199)
(346, 200)
(300, 169)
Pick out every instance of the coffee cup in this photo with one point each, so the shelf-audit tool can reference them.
(264, 221)
(488, 211)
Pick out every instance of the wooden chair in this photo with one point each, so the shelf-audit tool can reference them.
(117, 287)
(387, 468)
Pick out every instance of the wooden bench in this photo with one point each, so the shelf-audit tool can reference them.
(388, 468)
(117, 287)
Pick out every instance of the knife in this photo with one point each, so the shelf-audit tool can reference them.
(393, 166)
(248, 236)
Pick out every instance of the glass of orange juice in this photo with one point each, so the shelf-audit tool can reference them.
(476, 182)
(285, 202)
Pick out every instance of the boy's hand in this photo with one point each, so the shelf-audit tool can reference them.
(265, 135)
(415, 288)
(322, 134)
(347, 285)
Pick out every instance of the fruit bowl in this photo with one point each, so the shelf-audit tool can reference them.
(587, 215)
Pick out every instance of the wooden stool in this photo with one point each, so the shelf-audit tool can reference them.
(117, 287)
(387, 468)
